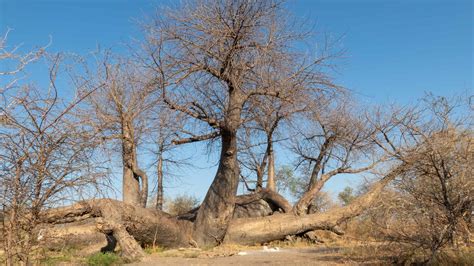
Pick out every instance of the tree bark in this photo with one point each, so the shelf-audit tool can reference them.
(302, 206)
(134, 226)
(271, 167)
(218, 206)
(269, 196)
(147, 226)
(131, 182)
(259, 184)
(249, 231)
(159, 192)
(132, 174)
(143, 196)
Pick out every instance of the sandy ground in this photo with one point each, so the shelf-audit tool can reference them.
(286, 256)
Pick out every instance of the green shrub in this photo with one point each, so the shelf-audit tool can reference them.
(104, 259)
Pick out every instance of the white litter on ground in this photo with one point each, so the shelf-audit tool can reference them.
(242, 253)
(267, 249)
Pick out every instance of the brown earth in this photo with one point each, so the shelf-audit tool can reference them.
(261, 256)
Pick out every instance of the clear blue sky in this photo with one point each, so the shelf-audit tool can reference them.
(396, 49)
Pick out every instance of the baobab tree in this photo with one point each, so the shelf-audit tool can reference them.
(211, 58)
(331, 141)
(120, 112)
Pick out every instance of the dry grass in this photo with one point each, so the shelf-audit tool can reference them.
(220, 251)
(335, 250)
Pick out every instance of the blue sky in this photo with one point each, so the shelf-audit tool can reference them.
(396, 50)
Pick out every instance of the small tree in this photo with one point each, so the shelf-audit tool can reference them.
(330, 141)
(259, 136)
(167, 126)
(346, 196)
(288, 181)
(433, 197)
(47, 158)
(181, 204)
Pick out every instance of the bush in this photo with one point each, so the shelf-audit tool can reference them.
(181, 204)
(104, 259)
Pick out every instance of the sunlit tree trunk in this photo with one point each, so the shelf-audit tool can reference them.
(159, 192)
(217, 208)
(271, 167)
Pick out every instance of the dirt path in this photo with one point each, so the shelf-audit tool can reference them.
(293, 256)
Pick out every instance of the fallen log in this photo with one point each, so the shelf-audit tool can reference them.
(135, 227)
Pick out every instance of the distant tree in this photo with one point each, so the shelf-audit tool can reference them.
(120, 111)
(181, 204)
(166, 126)
(259, 136)
(287, 181)
(346, 196)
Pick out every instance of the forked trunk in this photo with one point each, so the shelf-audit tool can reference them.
(132, 174)
(131, 182)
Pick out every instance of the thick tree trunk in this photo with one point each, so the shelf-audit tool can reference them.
(259, 204)
(159, 192)
(218, 206)
(131, 182)
(269, 196)
(152, 227)
(249, 231)
(133, 226)
(132, 174)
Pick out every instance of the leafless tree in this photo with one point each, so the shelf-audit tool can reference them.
(211, 58)
(432, 199)
(211, 61)
(13, 65)
(47, 159)
(332, 140)
(121, 111)
(257, 152)
(167, 127)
